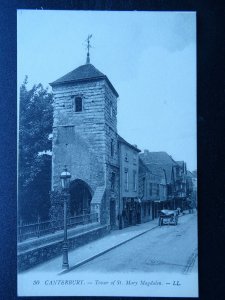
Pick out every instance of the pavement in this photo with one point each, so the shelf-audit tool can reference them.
(170, 249)
(94, 249)
(142, 260)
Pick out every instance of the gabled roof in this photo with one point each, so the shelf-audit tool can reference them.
(160, 156)
(180, 163)
(160, 159)
(190, 174)
(153, 169)
(167, 168)
(122, 140)
(143, 169)
(85, 72)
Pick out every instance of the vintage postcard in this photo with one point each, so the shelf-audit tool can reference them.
(107, 170)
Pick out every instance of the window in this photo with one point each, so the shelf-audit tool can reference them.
(126, 156)
(126, 180)
(157, 190)
(113, 177)
(134, 160)
(135, 180)
(112, 147)
(78, 104)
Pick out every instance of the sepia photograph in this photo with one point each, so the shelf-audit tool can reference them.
(107, 153)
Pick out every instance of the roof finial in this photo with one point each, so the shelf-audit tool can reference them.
(88, 48)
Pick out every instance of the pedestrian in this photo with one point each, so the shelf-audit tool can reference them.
(124, 218)
(120, 219)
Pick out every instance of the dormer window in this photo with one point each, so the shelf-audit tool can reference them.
(78, 106)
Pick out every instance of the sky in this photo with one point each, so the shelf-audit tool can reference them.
(149, 57)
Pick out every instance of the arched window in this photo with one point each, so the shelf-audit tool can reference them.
(78, 104)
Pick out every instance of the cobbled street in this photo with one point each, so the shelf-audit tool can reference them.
(165, 249)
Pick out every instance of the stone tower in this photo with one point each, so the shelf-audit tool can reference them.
(85, 140)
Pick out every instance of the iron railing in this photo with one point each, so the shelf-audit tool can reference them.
(38, 229)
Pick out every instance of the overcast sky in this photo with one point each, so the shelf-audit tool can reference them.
(150, 58)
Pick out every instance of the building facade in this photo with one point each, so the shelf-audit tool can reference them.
(85, 140)
(191, 180)
(180, 184)
(175, 177)
(129, 209)
(109, 176)
(152, 190)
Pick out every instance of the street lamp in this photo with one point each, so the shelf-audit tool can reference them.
(65, 182)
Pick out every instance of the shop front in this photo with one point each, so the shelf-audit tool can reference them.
(131, 213)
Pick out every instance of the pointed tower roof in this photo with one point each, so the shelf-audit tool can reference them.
(83, 73)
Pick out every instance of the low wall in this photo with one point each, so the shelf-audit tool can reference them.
(30, 258)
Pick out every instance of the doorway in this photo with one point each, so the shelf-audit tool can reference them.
(80, 198)
(112, 213)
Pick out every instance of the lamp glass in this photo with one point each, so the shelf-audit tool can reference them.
(65, 179)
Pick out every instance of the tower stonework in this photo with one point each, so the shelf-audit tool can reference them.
(85, 140)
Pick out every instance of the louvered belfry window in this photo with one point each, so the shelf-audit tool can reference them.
(78, 104)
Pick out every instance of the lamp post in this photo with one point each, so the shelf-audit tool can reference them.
(65, 181)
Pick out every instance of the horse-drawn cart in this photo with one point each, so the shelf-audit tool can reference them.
(169, 217)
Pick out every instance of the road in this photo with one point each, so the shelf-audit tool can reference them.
(164, 249)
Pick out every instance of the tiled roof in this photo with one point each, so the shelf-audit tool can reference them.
(154, 169)
(182, 165)
(160, 159)
(190, 174)
(85, 72)
(169, 170)
(122, 140)
(160, 156)
(142, 165)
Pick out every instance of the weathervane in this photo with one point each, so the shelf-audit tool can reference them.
(88, 48)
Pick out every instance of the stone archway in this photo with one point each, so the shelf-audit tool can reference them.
(80, 198)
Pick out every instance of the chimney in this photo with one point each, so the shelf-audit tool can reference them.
(146, 152)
